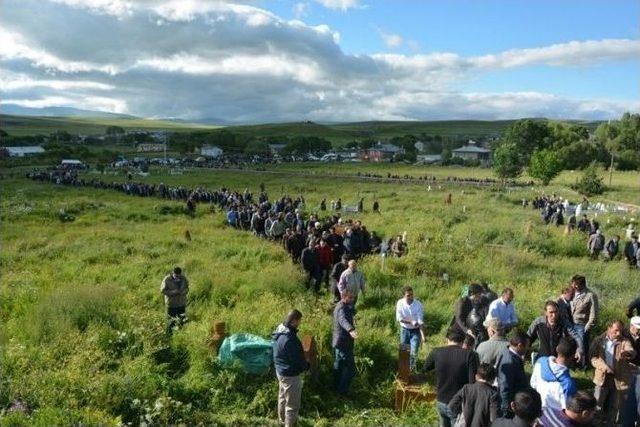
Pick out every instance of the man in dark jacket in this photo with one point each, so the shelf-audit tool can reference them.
(454, 367)
(470, 313)
(478, 402)
(510, 367)
(290, 363)
(336, 272)
(310, 265)
(550, 328)
(344, 334)
(526, 407)
(632, 251)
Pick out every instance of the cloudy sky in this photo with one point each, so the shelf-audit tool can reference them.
(324, 60)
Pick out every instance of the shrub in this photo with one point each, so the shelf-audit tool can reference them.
(590, 183)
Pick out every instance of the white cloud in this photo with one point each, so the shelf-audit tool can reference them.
(300, 10)
(391, 40)
(340, 4)
(87, 103)
(214, 59)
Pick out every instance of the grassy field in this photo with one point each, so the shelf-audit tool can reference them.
(28, 125)
(82, 337)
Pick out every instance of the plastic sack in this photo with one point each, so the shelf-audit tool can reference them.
(254, 353)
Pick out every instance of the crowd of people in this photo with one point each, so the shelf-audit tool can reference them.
(480, 373)
(554, 210)
(480, 378)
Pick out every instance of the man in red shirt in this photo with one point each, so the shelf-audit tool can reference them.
(325, 260)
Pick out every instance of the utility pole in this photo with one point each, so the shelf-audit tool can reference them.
(610, 149)
(165, 147)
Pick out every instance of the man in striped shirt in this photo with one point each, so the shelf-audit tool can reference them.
(580, 412)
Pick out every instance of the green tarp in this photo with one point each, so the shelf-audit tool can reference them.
(255, 354)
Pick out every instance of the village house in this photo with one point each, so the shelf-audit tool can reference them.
(471, 151)
(211, 151)
(149, 147)
(380, 152)
(22, 151)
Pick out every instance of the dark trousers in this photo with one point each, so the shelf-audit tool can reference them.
(175, 318)
(344, 369)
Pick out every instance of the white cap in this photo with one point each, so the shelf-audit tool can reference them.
(635, 321)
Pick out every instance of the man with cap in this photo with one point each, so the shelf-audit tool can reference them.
(175, 288)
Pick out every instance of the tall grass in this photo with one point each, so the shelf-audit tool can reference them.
(82, 317)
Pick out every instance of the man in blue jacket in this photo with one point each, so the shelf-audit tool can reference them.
(290, 363)
(344, 333)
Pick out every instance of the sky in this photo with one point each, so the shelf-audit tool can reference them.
(323, 60)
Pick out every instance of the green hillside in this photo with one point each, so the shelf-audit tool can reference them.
(28, 125)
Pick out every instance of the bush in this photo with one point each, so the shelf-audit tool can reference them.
(591, 183)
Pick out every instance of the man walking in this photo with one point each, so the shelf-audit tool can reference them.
(410, 313)
(290, 363)
(344, 334)
(352, 280)
(175, 288)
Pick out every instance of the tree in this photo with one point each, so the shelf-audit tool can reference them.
(527, 136)
(114, 131)
(506, 161)
(544, 165)
(591, 182)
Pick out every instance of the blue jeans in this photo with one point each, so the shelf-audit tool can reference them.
(344, 369)
(411, 337)
(446, 417)
(584, 335)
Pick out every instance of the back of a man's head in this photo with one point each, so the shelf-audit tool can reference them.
(582, 402)
(518, 337)
(567, 347)
(527, 405)
(455, 336)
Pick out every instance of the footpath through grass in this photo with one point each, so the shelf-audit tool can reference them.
(82, 317)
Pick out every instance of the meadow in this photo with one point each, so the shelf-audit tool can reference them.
(82, 337)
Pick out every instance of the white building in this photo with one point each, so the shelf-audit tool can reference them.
(23, 151)
(210, 151)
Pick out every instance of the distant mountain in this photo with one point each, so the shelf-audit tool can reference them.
(17, 110)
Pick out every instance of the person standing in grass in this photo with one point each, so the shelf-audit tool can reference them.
(454, 367)
(175, 288)
(352, 280)
(477, 404)
(612, 354)
(410, 313)
(510, 370)
(584, 310)
(344, 334)
(290, 363)
(503, 309)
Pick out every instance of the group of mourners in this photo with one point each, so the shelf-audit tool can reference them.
(479, 374)
(480, 377)
(553, 210)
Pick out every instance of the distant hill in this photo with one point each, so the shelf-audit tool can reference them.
(337, 133)
(31, 125)
(17, 110)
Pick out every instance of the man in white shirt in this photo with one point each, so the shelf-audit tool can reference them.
(503, 310)
(352, 280)
(410, 313)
